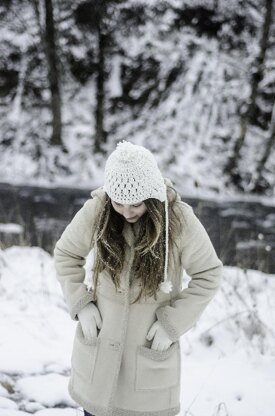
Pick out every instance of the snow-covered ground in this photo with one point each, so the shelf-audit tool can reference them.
(228, 361)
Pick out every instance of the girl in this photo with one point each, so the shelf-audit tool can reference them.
(126, 357)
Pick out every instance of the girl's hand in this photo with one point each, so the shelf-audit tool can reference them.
(161, 340)
(90, 319)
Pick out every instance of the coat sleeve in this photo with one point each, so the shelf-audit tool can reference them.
(69, 257)
(199, 259)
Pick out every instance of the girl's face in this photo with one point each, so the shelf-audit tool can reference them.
(130, 212)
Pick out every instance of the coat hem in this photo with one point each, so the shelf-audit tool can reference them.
(117, 411)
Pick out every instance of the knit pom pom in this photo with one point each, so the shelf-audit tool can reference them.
(166, 286)
(127, 152)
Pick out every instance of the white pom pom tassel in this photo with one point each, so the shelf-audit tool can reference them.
(166, 286)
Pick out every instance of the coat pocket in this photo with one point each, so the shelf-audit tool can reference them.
(84, 354)
(157, 369)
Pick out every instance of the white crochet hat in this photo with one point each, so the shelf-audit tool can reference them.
(132, 175)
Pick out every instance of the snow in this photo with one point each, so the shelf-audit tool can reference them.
(11, 228)
(6, 412)
(36, 388)
(60, 412)
(40, 343)
(7, 403)
(239, 386)
(115, 78)
(3, 392)
(195, 86)
(228, 362)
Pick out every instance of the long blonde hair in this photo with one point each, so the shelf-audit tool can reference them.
(148, 264)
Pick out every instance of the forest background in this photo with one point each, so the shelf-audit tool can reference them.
(193, 81)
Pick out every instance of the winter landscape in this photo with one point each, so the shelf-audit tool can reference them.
(228, 362)
(194, 81)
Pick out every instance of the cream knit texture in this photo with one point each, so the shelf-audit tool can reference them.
(132, 175)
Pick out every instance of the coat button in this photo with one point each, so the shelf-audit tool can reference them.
(114, 344)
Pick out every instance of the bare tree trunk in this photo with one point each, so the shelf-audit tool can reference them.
(232, 166)
(100, 134)
(259, 184)
(37, 13)
(53, 74)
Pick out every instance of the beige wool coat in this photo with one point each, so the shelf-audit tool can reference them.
(117, 373)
